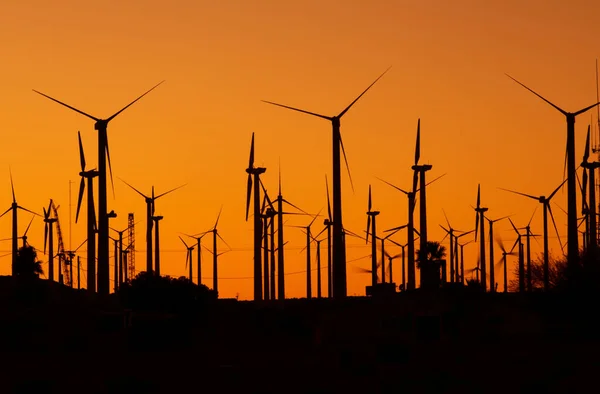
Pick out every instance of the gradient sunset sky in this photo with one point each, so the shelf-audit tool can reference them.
(219, 59)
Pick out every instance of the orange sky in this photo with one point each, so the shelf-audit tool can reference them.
(220, 59)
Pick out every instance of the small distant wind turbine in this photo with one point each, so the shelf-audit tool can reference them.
(150, 205)
(188, 256)
(307, 247)
(492, 272)
(503, 259)
(450, 232)
(215, 253)
(198, 238)
(479, 222)
(521, 263)
(371, 218)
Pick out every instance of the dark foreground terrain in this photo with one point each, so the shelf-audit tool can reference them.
(57, 340)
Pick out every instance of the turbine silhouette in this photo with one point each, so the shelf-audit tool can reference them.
(101, 125)
(339, 249)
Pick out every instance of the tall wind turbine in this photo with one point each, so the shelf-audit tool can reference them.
(479, 222)
(15, 238)
(103, 153)
(24, 236)
(420, 170)
(462, 257)
(371, 216)
(528, 235)
(149, 221)
(339, 248)
(546, 209)
(573, 242)
(91, 216)
(255, 172)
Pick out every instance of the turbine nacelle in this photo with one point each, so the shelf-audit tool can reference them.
(101, 124)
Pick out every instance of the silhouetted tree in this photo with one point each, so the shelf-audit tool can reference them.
(429, 262)
(557, 271)
(163, 293)
(27, 264)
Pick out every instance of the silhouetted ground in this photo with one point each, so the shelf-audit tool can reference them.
(70, 342)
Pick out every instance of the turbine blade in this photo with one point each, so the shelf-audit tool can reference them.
(418, 144)
(248, 195)
(28, 210)
(67, 105)
(555, 227)
(447, 221)
(112, 185)
(134, 101)
(29, 225)
(81, 154)
(186, 245)
(167, 192)
(586, 151)
(5, 212)
(586, 109)
(225, 242)
(328, 202)
(139, 192)
(556, 190)
(522, 194)
(297, 109)
(80, 197)
(251, 160)
(368, 228)
(315, 217)
(12, 187)
(45, 236)
(555, 106)
(218, 216)
(532, 216)
(346, 161)
(364, 91)
(370, 201)
(395, 187)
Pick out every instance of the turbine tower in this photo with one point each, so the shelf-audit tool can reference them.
(572, 241)
(101, 126)
(339, 248)
(371, 216)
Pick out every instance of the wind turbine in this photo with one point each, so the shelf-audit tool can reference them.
(24, 236)
(103, 153)
(521, 263)
(456, 245)
(339, 248)
(411, 230)
(420, 170)
(492, 273)
(15, 238)
(546, 209)
(91, 216)
(328, 223)
(255, 172)
(384, 253)
(479, 222)
(149, 221)
(529, 234)
(214, 252)
(307, 247)
(573, 247)
(71, 254)
(450, 232)
(280, 243)
(371, 215)
(188, 257)
(48, 231)
(503, 259)
(198, 238)
(122, 270)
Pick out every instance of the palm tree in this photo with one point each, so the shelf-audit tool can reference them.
(27, 263)
(429, 261)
